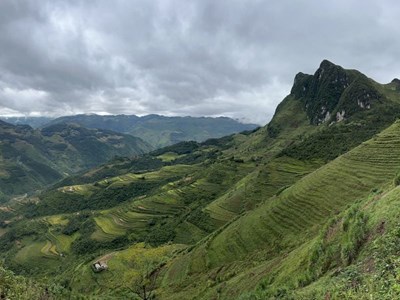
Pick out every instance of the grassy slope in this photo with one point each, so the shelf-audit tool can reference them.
(175, 200)
(31, 159)
(282, 224)
(244, 173)
(241, 194)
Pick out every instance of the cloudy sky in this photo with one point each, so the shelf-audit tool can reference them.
(171, 57)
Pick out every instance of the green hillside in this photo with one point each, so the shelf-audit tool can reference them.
(303, 208)
(278, 230)
(31, 159)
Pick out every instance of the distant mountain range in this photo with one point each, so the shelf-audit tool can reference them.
(32, 158)
(158, 131)
(34, 122)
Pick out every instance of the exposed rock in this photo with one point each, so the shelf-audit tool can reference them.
(396, 80)
(334, 89)
(327, 117)
(340, 116)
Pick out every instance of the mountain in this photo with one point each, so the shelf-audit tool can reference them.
(31, 159)
(34, 122)
(305, 207)
(160, 131)
(117, 123)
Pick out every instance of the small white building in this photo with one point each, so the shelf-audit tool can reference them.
(99, 266)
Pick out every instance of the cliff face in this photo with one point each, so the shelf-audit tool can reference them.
(333, 94)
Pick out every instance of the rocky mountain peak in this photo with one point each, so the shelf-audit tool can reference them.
(333, 93)
(396, 83)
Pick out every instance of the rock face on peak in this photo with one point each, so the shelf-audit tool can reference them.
(333, 93)
(396, 83)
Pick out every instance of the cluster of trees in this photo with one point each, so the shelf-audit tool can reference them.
(201, 220)
(84, 245)
(18, 287)
(56, 202)
(179, 148)
(19, 230)
(330, 142)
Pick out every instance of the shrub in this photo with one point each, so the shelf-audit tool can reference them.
(396, 180)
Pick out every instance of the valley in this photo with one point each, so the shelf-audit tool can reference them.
(302, 208)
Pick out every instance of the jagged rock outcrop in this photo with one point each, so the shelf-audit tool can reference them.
(396, 83)
(333, 94)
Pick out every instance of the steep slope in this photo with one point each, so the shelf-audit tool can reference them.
(260, 241)
(161, 131)
(333, 94)
(95, 146)
(322, 142)
(227, 215)
(31, 159)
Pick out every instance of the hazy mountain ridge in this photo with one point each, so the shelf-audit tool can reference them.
(34, 122)
(161, 131)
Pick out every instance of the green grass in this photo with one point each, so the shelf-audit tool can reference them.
(108, 227)
(283, 223)
(171, 200)
(57, 220)
(2, 231)
(169, 156)
(34, 255)
(373, 272)
(63, 242)
(49, 250)
(261, 184)
(123, 267)
(258, 212)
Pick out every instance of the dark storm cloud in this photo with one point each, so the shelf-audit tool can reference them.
(205, 57)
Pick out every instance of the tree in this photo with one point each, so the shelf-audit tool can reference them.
(143, 283)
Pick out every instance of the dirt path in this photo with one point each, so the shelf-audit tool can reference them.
(107, 257)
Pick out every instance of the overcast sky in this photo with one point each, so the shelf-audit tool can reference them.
(199, 57)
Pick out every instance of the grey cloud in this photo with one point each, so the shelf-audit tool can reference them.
(176, 57)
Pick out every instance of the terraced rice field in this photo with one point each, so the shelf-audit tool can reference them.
(278, 174)
(83, 190)
(123, 267)
(170, 156)
(171, 200)
(107, 228)
(49, 249)
(37, 255)
(57, 220)
(287, 220)
(136, 214)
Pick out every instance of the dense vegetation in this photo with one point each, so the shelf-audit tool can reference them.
(304, 208)
(31, 159)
